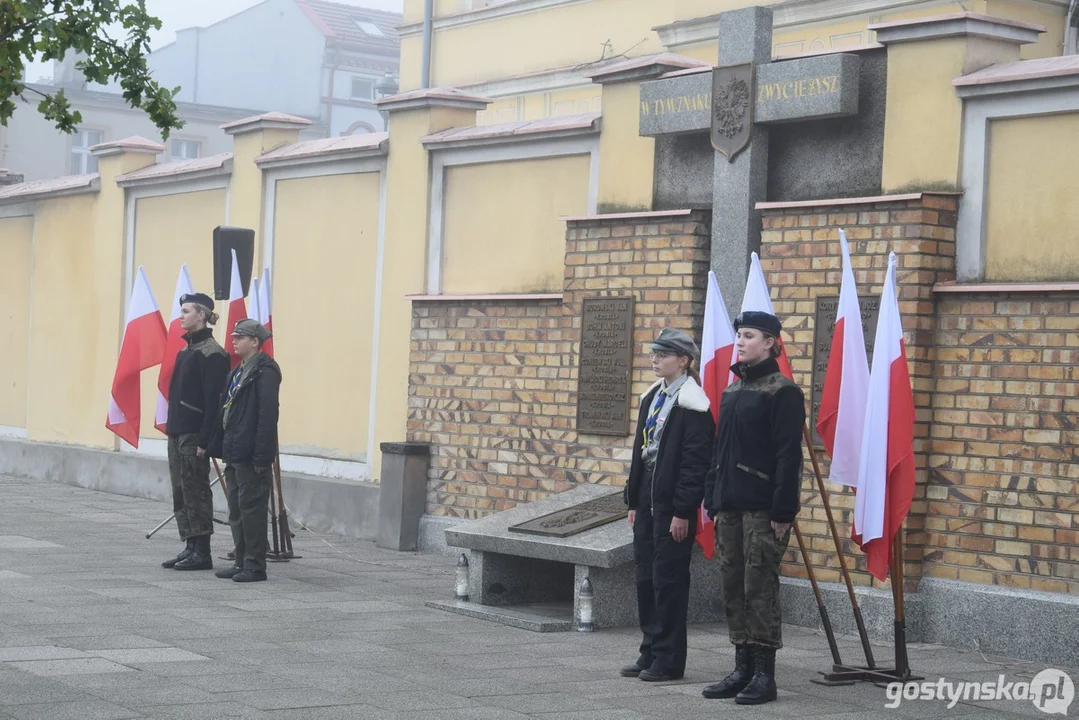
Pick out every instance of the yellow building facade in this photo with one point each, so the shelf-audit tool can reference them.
(533, 118)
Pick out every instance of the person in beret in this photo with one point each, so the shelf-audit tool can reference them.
(671, 449)
(752, 493)
(247, 441)
(197, 380)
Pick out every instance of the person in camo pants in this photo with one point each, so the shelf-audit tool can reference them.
(752, 493)
(197, 381)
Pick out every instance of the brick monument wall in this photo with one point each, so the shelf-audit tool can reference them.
(800, 255)
(1004, 461)
(493, 381)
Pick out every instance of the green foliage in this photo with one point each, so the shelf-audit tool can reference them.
(51, 28)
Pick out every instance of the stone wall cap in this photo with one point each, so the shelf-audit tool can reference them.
(178, 169)
(133, 144)
(266, 121)
(1061, 66)
(512, 297)
(904, 197)
(68, 185)
(957, 24)
(562, 125)
(433, 97)
(990, 287)
(650, 215)
(328, 148)
(647, 66)
(405, 448)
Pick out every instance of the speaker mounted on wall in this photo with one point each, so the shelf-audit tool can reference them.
(227, 239)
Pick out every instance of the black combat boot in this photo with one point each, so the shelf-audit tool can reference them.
(737, 681)
(643, 663)
(245, 576)
(762, 688)
(182, 556)
(200, 559)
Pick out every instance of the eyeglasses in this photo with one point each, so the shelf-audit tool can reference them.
(660, 355)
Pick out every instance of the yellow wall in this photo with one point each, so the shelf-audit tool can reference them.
(16, 243)
(69, 379)
(503, 232)
(405, 263)
(325, 253)
(1031, 209)
(626, 160)
(1051, 42)
(171, 230)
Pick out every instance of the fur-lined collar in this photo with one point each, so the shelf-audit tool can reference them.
(690, 395)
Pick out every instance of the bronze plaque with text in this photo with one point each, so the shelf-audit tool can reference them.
(822, 345)
(605, 368)
(576, 519)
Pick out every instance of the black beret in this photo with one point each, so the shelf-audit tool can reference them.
(763, 321)
(676, 341)
(199, 299)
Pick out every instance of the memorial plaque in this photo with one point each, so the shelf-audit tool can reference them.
(605, 369)
(822, 345)
(576, 519)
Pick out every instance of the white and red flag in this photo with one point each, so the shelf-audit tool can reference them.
(717, 356)
(142, 347)
(237, 310)
(841, 418)
(265, 316)
(173, 345)
(886, 471)
(758, 299)
(253, 305)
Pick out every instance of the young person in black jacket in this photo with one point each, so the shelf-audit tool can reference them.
(247, 434)
(671, 448)
(752, 492)
(197, 380)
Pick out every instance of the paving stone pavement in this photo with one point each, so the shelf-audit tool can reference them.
(92, 628)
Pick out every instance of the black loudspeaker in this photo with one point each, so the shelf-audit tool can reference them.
(227, 239)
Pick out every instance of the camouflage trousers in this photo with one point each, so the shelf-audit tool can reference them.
(192, 496)
(749, 557)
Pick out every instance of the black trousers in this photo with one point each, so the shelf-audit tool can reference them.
(662, 590)
(248, 498)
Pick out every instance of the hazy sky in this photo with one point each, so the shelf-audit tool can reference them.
(179, 14)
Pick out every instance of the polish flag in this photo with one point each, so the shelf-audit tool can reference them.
(886, 470)
(237, 310)
(841, 418)
(717, 355)
(173, 345)
(758, 299)
(264, 315)
(142, 347)
(254, 306)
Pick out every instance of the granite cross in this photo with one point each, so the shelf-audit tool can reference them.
(809, 88)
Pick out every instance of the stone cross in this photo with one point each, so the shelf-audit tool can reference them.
(810, 88)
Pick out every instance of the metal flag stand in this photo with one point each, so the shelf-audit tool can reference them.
(846, 675)
(281, 533)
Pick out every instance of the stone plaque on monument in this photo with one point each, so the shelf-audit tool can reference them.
(605, 369)
(576, 519)
(822, 345)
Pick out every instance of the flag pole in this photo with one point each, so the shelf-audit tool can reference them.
(867, 648)
(902, 662)
(825, 620)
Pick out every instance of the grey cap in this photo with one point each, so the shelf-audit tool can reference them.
(676, 341)
(252, 328)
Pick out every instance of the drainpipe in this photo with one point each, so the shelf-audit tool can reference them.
(330, 96)
(425, 69)
(1071, 28)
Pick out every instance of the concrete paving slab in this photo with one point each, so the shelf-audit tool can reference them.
(344, 633)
